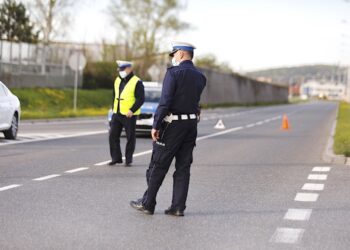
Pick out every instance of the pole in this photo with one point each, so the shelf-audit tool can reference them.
(347, 88)
(75, 90)
(76, 84)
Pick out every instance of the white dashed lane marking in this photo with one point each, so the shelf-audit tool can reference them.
(294, 235)
(47, 177)
(321, 169)
(9, 187)
(287, 235)
(318, 177)
(313, 186)
(76, 170)
(298, 214)
(306, 197)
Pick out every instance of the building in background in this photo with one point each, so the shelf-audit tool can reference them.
(325, 90)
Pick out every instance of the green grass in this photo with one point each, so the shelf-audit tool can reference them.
(342, 134)
(231, 105)
(41, 103)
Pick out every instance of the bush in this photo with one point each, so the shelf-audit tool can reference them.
(99, 75)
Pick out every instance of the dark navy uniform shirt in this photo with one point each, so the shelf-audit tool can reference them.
(182, 88)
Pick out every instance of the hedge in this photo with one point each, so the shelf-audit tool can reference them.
(99, 75)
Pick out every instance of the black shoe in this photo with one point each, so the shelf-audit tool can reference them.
(114, 162)
(128, 164)
(139, 206)
(174, 212)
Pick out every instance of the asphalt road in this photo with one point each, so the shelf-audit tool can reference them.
(253, 186)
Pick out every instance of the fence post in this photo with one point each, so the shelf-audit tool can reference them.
(43, 60)
(11, 65)
(20, 58)
(0, 56)
(64, 60)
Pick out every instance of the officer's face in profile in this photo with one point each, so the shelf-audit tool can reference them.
(128, 70)
(124, 72)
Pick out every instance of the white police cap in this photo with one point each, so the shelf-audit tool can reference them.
(124, 64)
(181, 46)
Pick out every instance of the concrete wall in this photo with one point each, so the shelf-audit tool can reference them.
(233, 88)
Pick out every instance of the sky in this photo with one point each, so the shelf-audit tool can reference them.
(247, 34)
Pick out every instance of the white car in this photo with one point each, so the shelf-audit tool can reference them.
(10, 112)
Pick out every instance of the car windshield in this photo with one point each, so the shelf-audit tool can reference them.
(152, 95)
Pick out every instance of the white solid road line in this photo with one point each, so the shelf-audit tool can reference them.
(298, 214)
(9, 187)
(306, 197)
(219, 133)
(198, 139)
(287, 235)
(103, 163)
(57, 137)
(321, 169)
(319, 177)
(76, 170)
(313, 186)
(47, 177)
(250, 126)
(142, 153)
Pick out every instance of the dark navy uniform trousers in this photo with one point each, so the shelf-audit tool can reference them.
(118, 122)
(177, 140)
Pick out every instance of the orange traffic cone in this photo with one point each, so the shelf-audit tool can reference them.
(285, 123)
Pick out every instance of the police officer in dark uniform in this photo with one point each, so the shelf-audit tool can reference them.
(174, 131)
(128, 97)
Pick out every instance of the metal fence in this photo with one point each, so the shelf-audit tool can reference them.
(23, 63)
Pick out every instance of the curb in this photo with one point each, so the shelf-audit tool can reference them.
(328, 155)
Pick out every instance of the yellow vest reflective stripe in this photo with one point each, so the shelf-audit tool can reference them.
(127, 96)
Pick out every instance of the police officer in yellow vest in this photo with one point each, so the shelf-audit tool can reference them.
(128, 97)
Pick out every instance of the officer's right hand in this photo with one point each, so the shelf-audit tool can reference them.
(155, 134)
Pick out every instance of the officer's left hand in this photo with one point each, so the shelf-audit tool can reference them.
(129, 114)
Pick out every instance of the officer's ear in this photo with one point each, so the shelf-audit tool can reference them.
(182, 54)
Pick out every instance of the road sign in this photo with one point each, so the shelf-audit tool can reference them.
(220, 125)
(154, 72)
(77, 61)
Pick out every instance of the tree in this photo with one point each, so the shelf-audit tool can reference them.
(210, 61)
(52, 16)
(15, 24)
(142, 26)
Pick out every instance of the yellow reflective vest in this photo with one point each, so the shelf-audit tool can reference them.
(126, 97)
